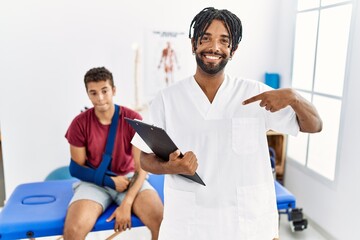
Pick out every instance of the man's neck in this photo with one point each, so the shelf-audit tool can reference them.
(209, 83)
(105, 117)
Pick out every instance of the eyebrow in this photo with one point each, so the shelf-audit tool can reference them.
(94, 91)
(222, 35)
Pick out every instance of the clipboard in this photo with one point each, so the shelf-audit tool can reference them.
(159, 142)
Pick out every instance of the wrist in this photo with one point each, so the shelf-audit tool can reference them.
(168, 167)
(127, 202)
(294, 98)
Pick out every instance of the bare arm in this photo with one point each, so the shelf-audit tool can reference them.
(137, 180)
(307, 115)
(122, 214)
(78, 154)
(186, 164)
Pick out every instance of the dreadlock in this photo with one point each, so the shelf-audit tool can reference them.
(203, 19)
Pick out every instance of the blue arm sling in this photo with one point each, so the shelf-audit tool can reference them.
(101, 175)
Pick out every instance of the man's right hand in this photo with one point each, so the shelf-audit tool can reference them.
(186, 164)
(121, 183)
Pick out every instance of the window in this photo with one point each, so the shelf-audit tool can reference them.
(320, 52)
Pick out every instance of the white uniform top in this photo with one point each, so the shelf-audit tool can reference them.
(229, 140)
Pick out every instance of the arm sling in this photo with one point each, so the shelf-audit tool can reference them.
(101, 176)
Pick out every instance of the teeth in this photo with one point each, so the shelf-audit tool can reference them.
(212, 57)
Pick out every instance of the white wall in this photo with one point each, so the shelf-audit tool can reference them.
(334, 206)
(47, 46)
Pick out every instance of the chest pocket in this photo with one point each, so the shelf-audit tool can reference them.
(245, 135)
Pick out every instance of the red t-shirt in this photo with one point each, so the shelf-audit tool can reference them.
(86, 131)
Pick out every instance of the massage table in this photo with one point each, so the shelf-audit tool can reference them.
(38, 209)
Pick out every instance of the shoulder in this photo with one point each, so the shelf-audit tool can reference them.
(84, 116)
(79, 126)
(176, 86)
(249, 84)
(129, 113)
(244, 81)
(126, 112)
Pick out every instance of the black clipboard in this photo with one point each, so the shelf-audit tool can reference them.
(159, 142)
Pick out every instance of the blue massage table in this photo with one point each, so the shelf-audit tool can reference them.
(284, 198)
(38, 209)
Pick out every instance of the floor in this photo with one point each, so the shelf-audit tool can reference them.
(142, 233)
(311, 233)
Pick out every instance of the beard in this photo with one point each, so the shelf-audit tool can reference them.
(211, 68)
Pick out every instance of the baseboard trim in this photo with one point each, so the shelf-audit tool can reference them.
(321, 230)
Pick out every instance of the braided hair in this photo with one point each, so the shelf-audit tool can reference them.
(203, 19)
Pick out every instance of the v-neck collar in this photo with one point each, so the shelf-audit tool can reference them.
(204, 106)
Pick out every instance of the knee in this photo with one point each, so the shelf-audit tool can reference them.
(156, 218)
(74, 230)
(69, 231)
(154, 225)
(159, 216)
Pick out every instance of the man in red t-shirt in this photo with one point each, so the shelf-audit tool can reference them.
(87, 136)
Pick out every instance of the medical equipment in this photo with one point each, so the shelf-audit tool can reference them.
(38, 209)
(286, 202)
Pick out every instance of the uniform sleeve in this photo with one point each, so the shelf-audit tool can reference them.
(283, 121)
(156, 113)
(140, 144)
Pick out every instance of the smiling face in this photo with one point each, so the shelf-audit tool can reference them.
(101, 95)
(213, 49)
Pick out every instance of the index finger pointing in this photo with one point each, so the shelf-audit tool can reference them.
(252, 99)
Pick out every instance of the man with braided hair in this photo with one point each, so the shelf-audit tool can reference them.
(222, 135)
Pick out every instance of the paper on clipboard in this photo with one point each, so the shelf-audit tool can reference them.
(159, 142)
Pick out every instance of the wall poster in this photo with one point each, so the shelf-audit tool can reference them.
(165, 61)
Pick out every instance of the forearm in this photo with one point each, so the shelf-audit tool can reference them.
(307, 115)
(135, 185)
(87, 174)
(151, 163)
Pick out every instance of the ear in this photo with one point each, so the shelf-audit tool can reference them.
(114, 90)
(232, 54)
(193, 45)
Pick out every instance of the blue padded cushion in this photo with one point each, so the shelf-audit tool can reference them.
(40, 218)
(38, 209)
(284, 198)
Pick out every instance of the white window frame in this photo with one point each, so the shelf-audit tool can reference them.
(304, 168)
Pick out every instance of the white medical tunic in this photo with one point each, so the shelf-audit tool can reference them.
(229, 140)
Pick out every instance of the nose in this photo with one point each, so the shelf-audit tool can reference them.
(214, 46)
(100, 96)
